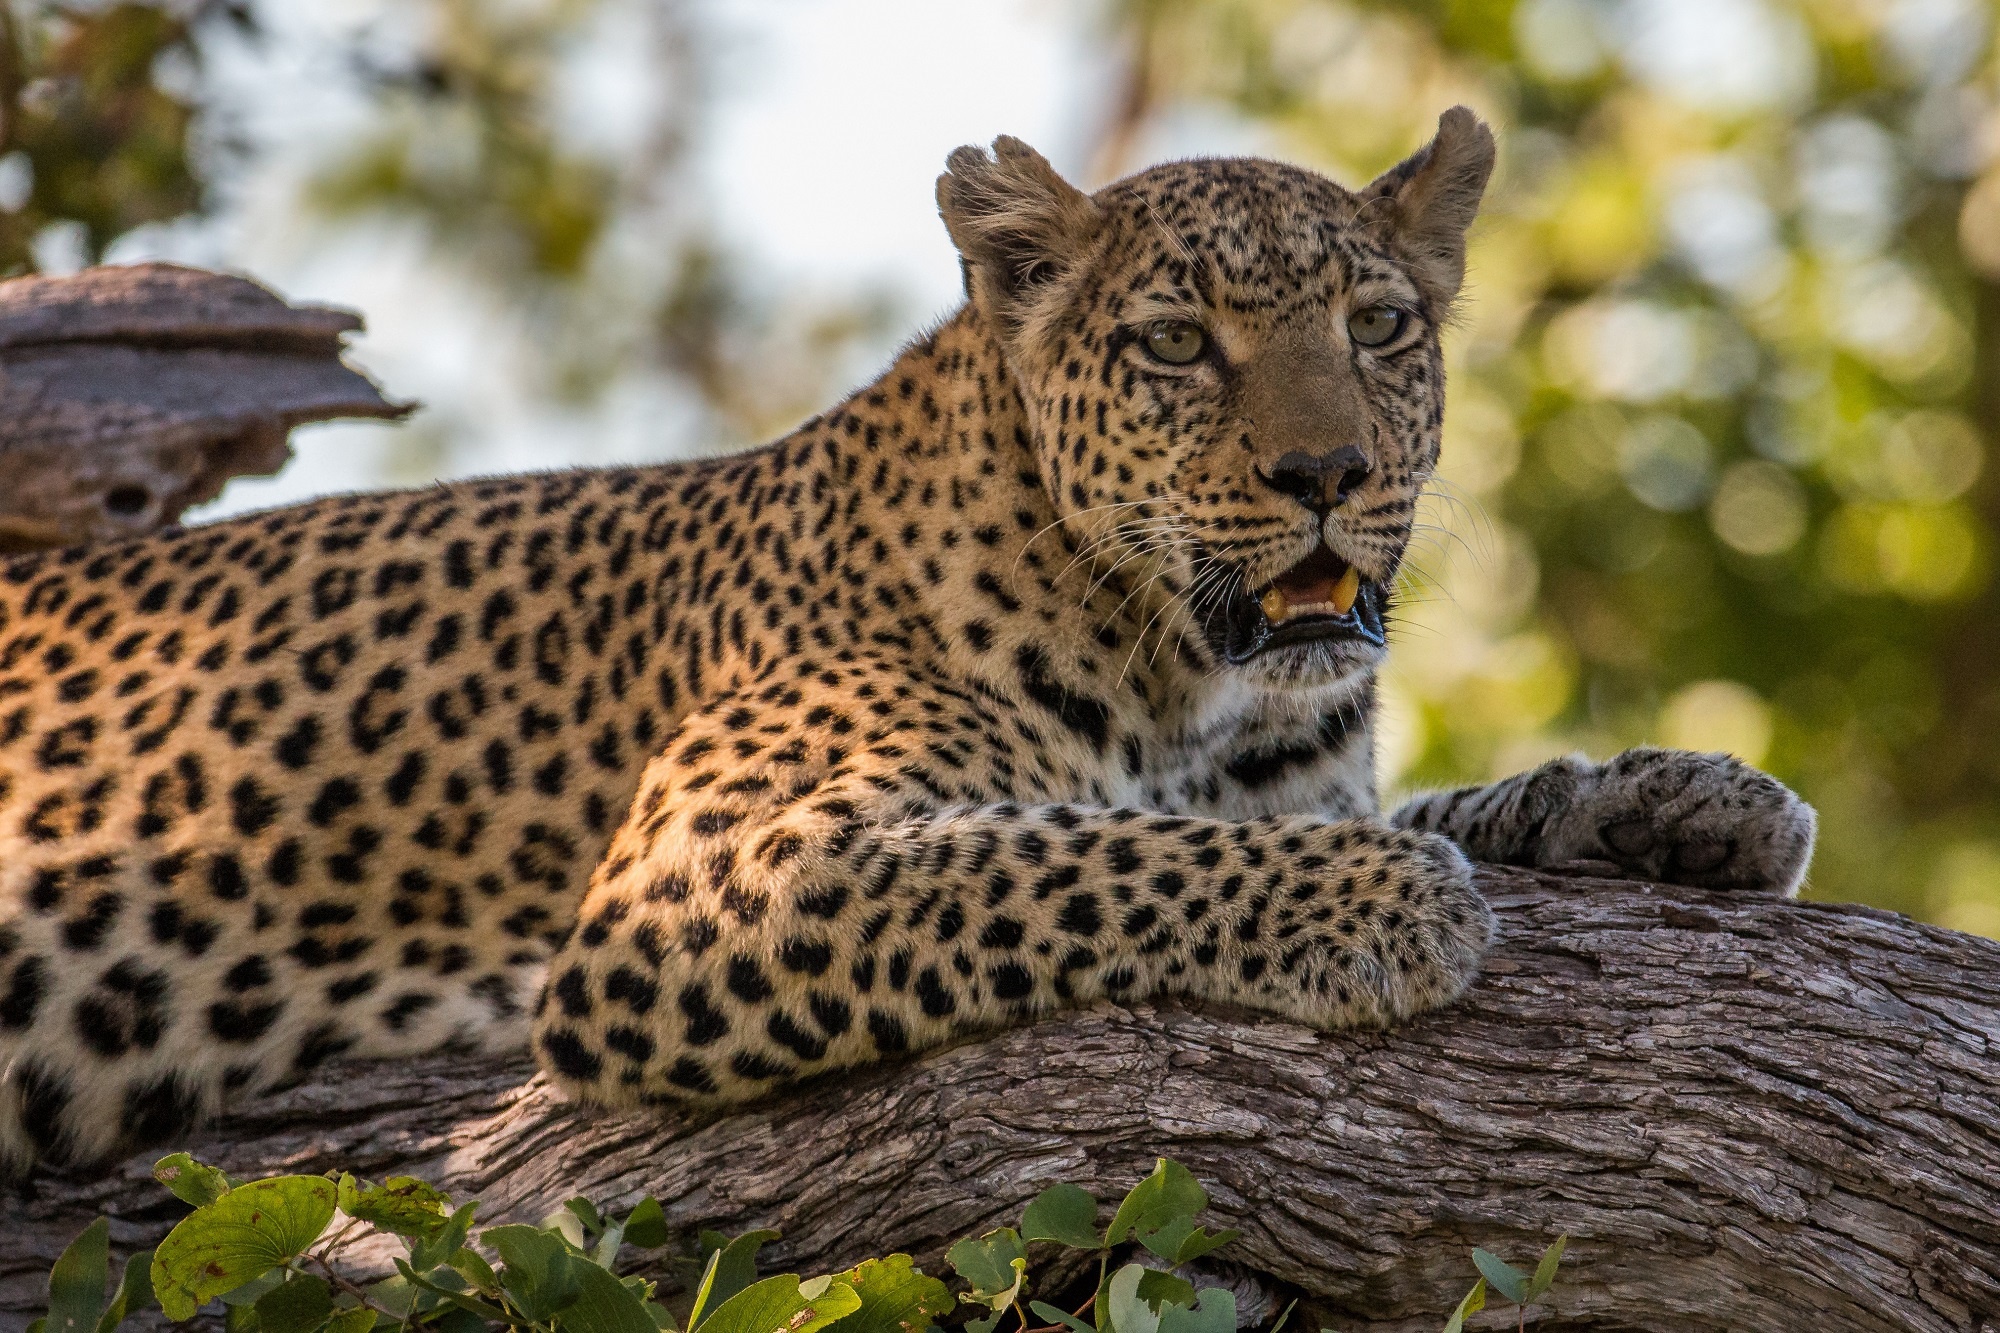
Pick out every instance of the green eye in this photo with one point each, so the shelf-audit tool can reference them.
(1375, 325)
(1176, 342)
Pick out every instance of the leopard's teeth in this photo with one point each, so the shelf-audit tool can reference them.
(1345, 591)
(1278, 608)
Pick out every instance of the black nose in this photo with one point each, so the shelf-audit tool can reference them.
(1319, 481)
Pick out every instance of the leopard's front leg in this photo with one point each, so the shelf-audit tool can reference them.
(784, 901)
(1674, 816)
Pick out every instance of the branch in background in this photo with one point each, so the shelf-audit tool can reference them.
(129, 394)
(1746, 1115)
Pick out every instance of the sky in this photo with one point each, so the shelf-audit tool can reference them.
(817, 160)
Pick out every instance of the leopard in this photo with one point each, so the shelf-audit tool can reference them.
(1040, 672)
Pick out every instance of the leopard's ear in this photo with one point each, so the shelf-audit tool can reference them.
(1017, 224)
(1426, 201)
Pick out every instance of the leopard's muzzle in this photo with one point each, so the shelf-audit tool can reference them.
(1321, 599)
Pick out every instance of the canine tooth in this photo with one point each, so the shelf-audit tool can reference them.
(1274, 606)
(1345, 591)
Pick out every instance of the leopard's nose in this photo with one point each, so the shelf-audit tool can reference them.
(1320, 482)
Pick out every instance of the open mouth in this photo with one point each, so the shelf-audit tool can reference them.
(1321, 598)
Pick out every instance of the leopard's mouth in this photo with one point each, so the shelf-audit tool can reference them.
(1320, 599)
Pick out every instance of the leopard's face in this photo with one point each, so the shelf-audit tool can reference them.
(1242, 394)
(1234, 375)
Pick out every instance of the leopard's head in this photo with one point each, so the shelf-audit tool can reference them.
(1233, 375)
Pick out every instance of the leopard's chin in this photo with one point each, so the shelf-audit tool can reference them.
(1320, 607)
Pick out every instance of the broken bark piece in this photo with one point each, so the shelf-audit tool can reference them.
(130, 393)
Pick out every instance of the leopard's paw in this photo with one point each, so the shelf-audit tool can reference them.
(1409, 938)
(1679, 817)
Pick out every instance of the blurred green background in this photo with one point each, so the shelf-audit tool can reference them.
(1725, 390)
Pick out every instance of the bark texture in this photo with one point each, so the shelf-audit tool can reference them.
(128, 394)
(1746, 1115)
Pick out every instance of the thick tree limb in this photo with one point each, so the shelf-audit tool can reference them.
(128, 394)
(1746, 1115)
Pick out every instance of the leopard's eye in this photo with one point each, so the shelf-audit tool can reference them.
(1176, 341)
(1375, 325)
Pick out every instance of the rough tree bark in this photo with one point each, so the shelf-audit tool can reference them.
(1746, 1115)
(128, 394)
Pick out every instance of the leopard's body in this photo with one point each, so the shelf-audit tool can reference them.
(708, 776)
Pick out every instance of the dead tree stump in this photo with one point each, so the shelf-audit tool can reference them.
(128, 394)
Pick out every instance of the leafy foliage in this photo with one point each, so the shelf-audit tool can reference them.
(91, 138)
(262, 1249)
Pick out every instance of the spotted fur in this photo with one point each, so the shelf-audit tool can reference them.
(710, 776)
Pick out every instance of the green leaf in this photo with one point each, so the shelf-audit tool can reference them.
(403, 1205)
(604, 1305)
(1545, 1271)
(1180, 1241)
(1122, 1306)
(1214, 1312)
(995, 1265)
(438, 1247)
(783, 1304)
(252, 1291)
(190, 1181)
(604, 1250)
(240, 1236)
(1044, 1311)
(586, 1212)
(1474, 1302)
(704, 1290)
(1066, 1214)
(455, 1321)
(361, 1319)
(400, 1294)
(566, 1224)
(540, 1273)
(732, 1269)
(646, 1225)
(1506, 1279)
(76, 1283)
(1157, 1288)
(1168, 1195)
(896, 1297)
(472, 1266)
(135, 1292)
(298, 1306)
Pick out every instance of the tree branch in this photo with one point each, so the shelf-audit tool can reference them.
(1745, 1114)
